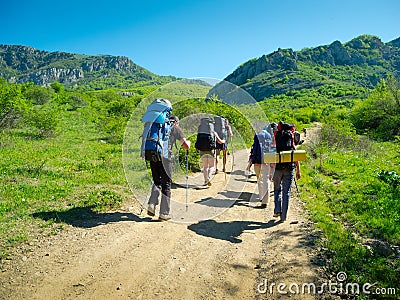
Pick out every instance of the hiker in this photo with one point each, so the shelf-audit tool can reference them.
(271, 128)
(223, 146)
(160, 133)
(297, 138)
(208, 161)
(206, 144)
(261, 145)
(284, 172)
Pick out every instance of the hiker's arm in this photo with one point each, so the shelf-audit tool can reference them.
(185, 144)
(298, 174)
(230, 133)
(219, 140)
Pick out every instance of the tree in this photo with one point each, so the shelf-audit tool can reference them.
(12, 104)
(379, 114)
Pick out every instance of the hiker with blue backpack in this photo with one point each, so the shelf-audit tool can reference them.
(160, 133)
(261, 145)
(284, 172)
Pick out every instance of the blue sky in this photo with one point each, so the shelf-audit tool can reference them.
(193, 38)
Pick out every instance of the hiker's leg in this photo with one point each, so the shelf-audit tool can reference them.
(211, 162)
(166, 181)
(217, 153)
(248, 165)
(204, 161)
(156, 187)
(223, 159)
(265, 179)
(286, 187)
(259, 169)
(277, 191)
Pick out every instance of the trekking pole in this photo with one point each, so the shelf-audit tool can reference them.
(187, 177)
(233, 153)
(145, 199)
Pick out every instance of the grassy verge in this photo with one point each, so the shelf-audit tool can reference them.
(75, 169)
(357, 211)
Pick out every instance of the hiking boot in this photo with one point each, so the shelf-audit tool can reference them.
(277, 215)
(263, 205)
(216, 171)
(249, 173)
(151, 210)
(223, 170)
(164, 217)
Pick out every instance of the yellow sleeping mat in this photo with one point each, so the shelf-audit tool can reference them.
(284, 156)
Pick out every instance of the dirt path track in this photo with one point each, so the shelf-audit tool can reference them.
(122, 255)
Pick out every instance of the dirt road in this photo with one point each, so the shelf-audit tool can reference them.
(223, 246)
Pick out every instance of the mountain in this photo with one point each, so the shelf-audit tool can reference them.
(22, 64)
(356, 65)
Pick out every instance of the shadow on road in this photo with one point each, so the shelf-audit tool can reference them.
(228, 231)
(85, 217)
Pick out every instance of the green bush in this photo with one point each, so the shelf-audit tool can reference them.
(13, 105)
(379, 115)
(44, 119)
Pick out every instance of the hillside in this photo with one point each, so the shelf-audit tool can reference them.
(347, 68)
(22, 64)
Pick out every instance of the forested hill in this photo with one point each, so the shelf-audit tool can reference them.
(22, 64)
(357, 64)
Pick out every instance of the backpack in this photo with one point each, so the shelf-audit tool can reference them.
(284, 139)
(205, 135)
(297, 138)
(260, 146)
(156, 132)
(220, 127)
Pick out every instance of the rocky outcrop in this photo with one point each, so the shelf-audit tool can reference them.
(47, 76)
(286, 70)
(281, 59)
(22, 64)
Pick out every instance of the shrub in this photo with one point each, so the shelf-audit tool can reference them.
(44, 119)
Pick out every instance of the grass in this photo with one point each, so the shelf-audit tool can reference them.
(77, 174)
(74, 169)
(355, 209)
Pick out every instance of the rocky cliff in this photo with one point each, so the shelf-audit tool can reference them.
(26, 64)
(362, 62)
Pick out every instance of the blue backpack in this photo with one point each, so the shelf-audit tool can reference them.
(260, 146)
(157, 129)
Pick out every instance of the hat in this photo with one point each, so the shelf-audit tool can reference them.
(174, 119)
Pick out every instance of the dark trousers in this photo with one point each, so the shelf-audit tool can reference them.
(161, 172)
(282, 185)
